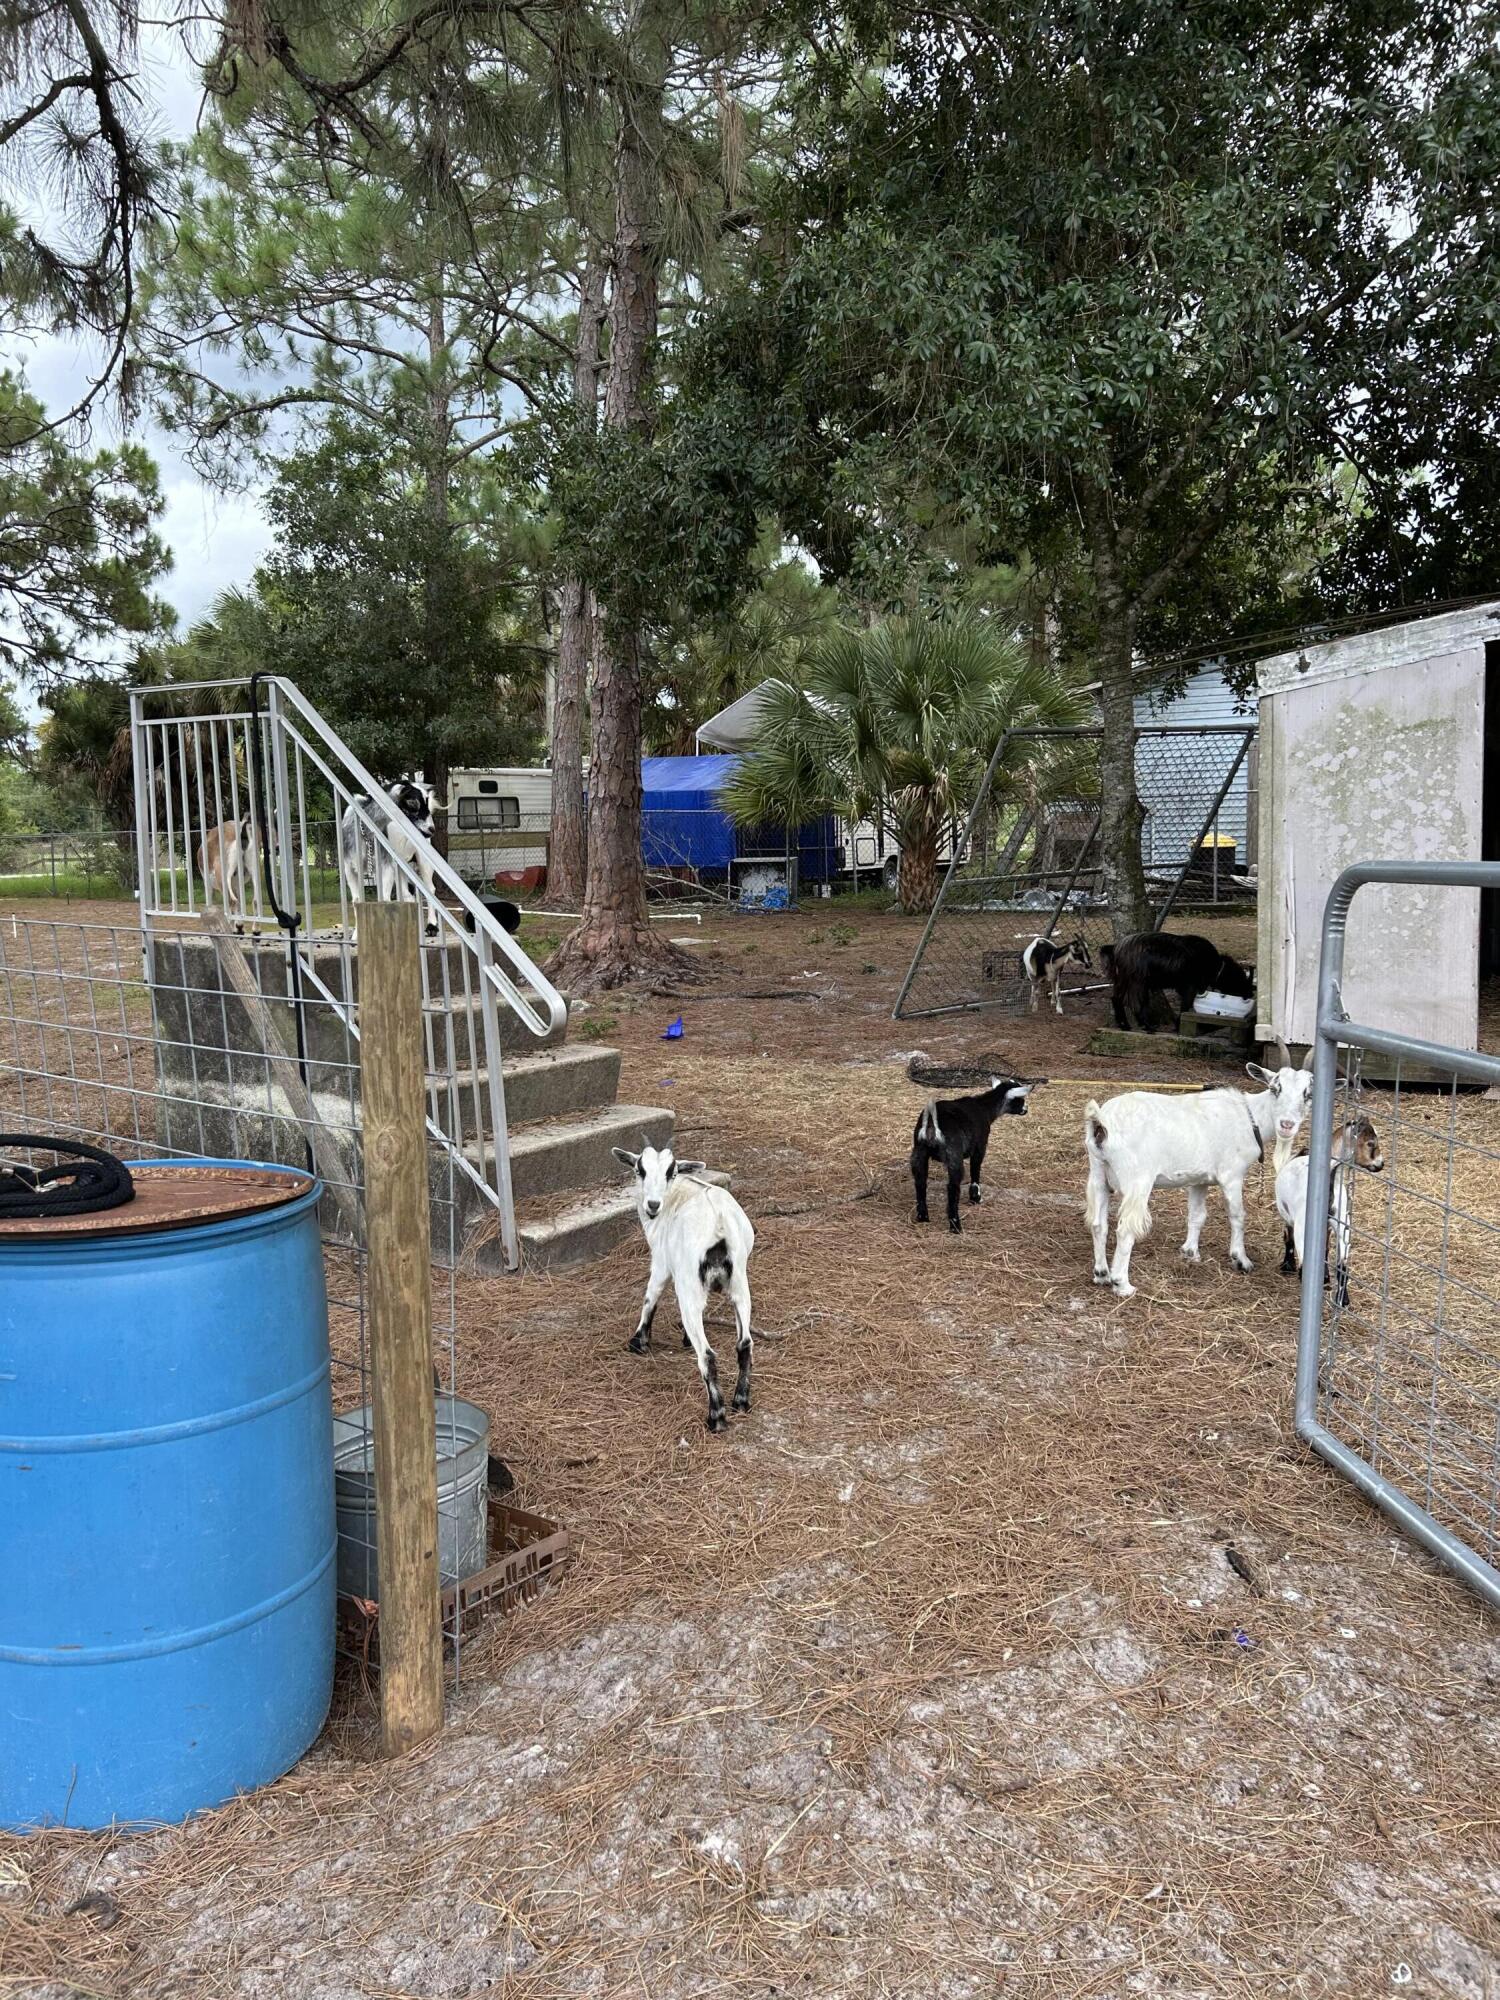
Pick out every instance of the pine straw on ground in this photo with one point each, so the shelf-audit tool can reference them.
(1011, 1646)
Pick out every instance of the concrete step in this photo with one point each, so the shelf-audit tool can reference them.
(463, 1020)
(584, 1226)
(570, 1153)
(192, 1010)
(1164, 1043)
(553, 1083)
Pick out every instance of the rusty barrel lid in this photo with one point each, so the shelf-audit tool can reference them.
(172, 1194)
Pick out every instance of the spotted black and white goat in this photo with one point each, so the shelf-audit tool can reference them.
(1044, 961)
(383, 839)
(1357, 1150)
(700, 1238)
(1143, 1140)
(954, 1129)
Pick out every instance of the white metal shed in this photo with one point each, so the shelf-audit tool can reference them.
(1372, 748)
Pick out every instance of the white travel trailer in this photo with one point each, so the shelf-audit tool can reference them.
(497, 821)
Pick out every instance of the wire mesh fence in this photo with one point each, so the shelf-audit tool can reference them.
(191, 1062)
(1029, 863)
(83, 863)
(1399, 1356)
(692, 854)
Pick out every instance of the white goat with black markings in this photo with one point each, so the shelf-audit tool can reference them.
(1141, 1140)
(701, 1239)
(1357, 1151)
(1044, 961)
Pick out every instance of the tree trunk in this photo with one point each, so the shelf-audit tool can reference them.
(567, 846)
(917, 884)
(613, 941)
(435, 765)
(1120, 814)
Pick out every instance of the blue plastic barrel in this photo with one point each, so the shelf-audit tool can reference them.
(166, 1498)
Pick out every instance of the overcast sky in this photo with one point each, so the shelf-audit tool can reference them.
(215, 538)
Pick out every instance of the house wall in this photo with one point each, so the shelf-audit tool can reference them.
(1372, 750)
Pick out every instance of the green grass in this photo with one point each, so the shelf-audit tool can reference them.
(876, 899)
(66, 883)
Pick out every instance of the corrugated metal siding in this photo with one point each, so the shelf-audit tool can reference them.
(1175, 812)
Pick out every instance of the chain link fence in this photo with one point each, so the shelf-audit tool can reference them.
(1029, 862)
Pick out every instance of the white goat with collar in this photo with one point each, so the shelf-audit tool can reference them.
(1139, 1141)
(701, 1239)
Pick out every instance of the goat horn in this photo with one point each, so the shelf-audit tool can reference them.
(1282, 1053)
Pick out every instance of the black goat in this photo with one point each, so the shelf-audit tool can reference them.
(506, 915)
(1158, 961)
(955, 1129)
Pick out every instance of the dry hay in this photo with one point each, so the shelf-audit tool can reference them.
(1011, 1646)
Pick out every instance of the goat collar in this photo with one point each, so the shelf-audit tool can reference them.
(1260, 1144)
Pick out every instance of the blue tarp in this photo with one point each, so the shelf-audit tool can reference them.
(685, 825)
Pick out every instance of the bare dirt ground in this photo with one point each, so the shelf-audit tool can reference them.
(1011, 1646)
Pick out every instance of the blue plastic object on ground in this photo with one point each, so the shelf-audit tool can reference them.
(166, 1511)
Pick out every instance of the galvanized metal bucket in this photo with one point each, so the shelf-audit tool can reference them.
(463, 1448)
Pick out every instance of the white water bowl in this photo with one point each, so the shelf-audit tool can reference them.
(1225, 1006)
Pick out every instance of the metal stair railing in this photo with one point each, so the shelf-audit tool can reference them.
(197, 748)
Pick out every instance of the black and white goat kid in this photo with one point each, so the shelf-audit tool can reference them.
(1044, 961)
(955, 1129)
(377, 849)
(700, 1238)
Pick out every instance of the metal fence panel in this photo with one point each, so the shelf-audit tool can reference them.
(237, 785)
(163, 1067)
(1029, 861)
(1398, 1363)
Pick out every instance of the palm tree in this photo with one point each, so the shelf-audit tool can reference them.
(897, 720)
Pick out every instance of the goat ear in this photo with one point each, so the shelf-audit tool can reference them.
(1260, 1075)
(1020, 1090)
(626, 1159)
(692, 1166)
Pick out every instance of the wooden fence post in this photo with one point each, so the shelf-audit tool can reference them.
(400, 1294)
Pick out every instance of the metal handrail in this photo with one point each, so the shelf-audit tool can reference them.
(500, 940)
(198, 758)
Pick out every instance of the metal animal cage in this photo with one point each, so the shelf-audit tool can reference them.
(1398, 1362)
(1029, 861)
(85, 1039)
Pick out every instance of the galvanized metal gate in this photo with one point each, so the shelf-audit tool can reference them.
(1398, 1365)
(1029, 860)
